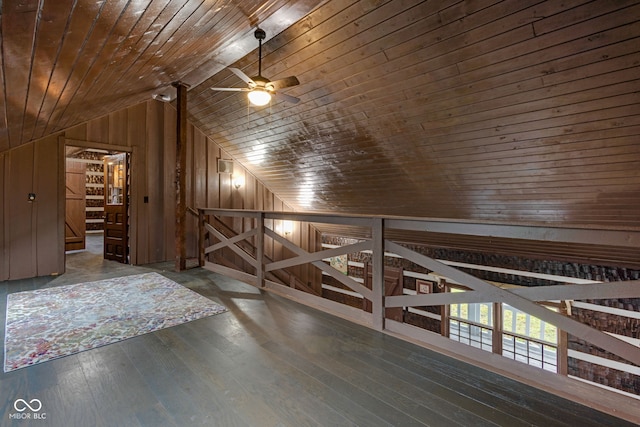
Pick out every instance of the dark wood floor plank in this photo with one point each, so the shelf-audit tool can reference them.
(213, 367)
(461, 393)
(160, 369)
(299, 342)
(59, 384)
(357, 386)
(274, 380)
(114, 385)
(436, 379)
(437, 404)
(353, 413)
(171, 370)
(13, 386)
(341, 357)
(156, 415)
(507, 391)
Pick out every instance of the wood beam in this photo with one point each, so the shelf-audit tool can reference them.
(318, 256)
(181, 179)
(577, 234)
(260, 271)
(580, 235)
(201, 237)
(627, 289)
(342, 278)
(232, 241)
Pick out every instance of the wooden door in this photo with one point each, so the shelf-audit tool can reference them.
(75, 215)
(116, 221)
(393, 285)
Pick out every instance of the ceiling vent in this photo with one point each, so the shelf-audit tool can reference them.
(225, 166)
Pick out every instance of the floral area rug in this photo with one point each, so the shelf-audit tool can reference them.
(50, 323)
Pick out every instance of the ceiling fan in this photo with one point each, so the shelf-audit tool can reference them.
(260, 89)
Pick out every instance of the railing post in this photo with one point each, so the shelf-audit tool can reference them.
(497, 328)
(201, 237)
(563, 343)
(377, 304)
(445, 310)
(260, 251)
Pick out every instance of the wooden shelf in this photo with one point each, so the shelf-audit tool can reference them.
(97, 174)
(92, 165)
(91, 161)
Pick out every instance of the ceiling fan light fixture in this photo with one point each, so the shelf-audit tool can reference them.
(259, 97)
(260, 89)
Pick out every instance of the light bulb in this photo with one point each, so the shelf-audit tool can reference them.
(259, 97)
(238, 182)
(287, 226)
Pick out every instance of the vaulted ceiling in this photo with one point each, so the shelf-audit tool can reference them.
(516, 111)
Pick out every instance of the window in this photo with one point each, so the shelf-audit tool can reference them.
(528, 339)
(472, 324)
(520, 337)
(115, 179)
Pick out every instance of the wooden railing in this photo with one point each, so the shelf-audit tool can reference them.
(525, 299)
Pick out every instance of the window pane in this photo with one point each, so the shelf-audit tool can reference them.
(514, 320)
(115, 179)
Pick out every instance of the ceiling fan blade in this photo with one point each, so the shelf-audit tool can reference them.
(288, 98)
(231, 89)
(286, 82)
(238, 72)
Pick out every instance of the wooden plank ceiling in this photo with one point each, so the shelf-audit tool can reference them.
(67, 61)
(516, 111)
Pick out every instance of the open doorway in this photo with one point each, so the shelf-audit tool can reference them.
(96, 205)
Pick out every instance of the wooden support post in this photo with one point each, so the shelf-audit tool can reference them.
(260, 251)
(377, 285)
(202, 232)
(563, 342)
(181, 166)
(496, 336)
(444, 310)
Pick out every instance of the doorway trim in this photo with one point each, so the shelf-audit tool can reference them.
(98, 146)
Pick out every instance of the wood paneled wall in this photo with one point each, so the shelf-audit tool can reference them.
(31, 241)
(32, 234)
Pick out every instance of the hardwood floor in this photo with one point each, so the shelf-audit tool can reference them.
(267, 362)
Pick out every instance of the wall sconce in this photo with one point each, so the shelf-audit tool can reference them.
(31, 197)
(287, 227)
(238, 182)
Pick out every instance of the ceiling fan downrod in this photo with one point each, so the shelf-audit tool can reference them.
(260, 35)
